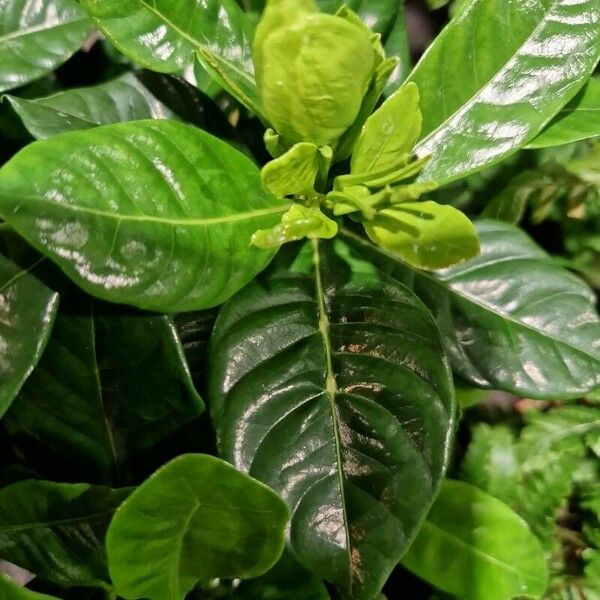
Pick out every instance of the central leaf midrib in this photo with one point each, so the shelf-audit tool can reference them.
(14, 35)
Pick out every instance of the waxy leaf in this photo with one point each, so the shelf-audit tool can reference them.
(151, 213)
(37, 37)
(497, 75)
(378, 15)
(97, 396)
(579, 120)
(11, 591)
(511, 319)
(206, 520)
(27, 311)
(57, 530)
(477, 548)
(328, 382)
(123, 99)
(164, 35)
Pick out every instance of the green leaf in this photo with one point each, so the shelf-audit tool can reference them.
(164, 35)
(35, 38)
(328, 382)
(425, 235)
(97, 397)
(11, 591)
(389, 132)
(477, 548)
(206, 520)
(378, 15)
(123, 99)
(579, 120)
(83, 199)
(507, 317)
(27, 311)
(56, 530)
(397, 44)
(496, 75)
(296, 224)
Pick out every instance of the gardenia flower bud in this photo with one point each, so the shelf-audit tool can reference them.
(312, 70)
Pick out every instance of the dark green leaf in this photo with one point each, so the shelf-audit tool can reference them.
(477, 548)
(397, 44)
(206, 520)
(164, 35)
(27, 311)
(11, 591)
(36, 37)
(378, 15)
(328, 382)
(496, 75)
(151, 213)
(579, 120)
(123, 99)
(56, 530)
(511, 318)
(109, 385)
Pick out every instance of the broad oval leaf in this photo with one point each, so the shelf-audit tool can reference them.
(11, 591)
(96, 398)
(477, 548)
(329, 383)
(206, 519)
(164, 35)
(37, 37)
(56, 530)
(156, 214)
(579, 120)
(27, 312)
(119, 100)
(511, 319)
(497, 75)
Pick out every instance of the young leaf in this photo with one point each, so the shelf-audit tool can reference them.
(11, 591)
(578, 120)
(389, 132)
(151, 213)
(56, 530)
(476, 547)
(507, 317)
(328, 382)
(37, 37)
(27, 311)
(496, 75)
(164, 35)
(207, 520)
(123, 99)
(425, 235)
(97, 398)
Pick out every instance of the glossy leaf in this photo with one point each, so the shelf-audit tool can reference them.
(497, 75)
(328, 382)
(579, 120)
(397, 44)
(511, 319)
(378, 15)
(37, 37)
(83, 198)
(425, 235)
(477, 548)
(123, 99)
(11, 591)
(164, 35)
(27, 311)
(57, 530)
(108, 386)
(207, 520)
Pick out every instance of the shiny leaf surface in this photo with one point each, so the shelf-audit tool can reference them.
(97, 396)
(27, 311)
(83, 199)
(477, 548)
(163, 35)
(57, 530)
(497, 75)
(37, 37)
(511, 319)
(12, 591)
(378, 15)
(123, 99)
(579, 120)
(328, 382)
(207, 520)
